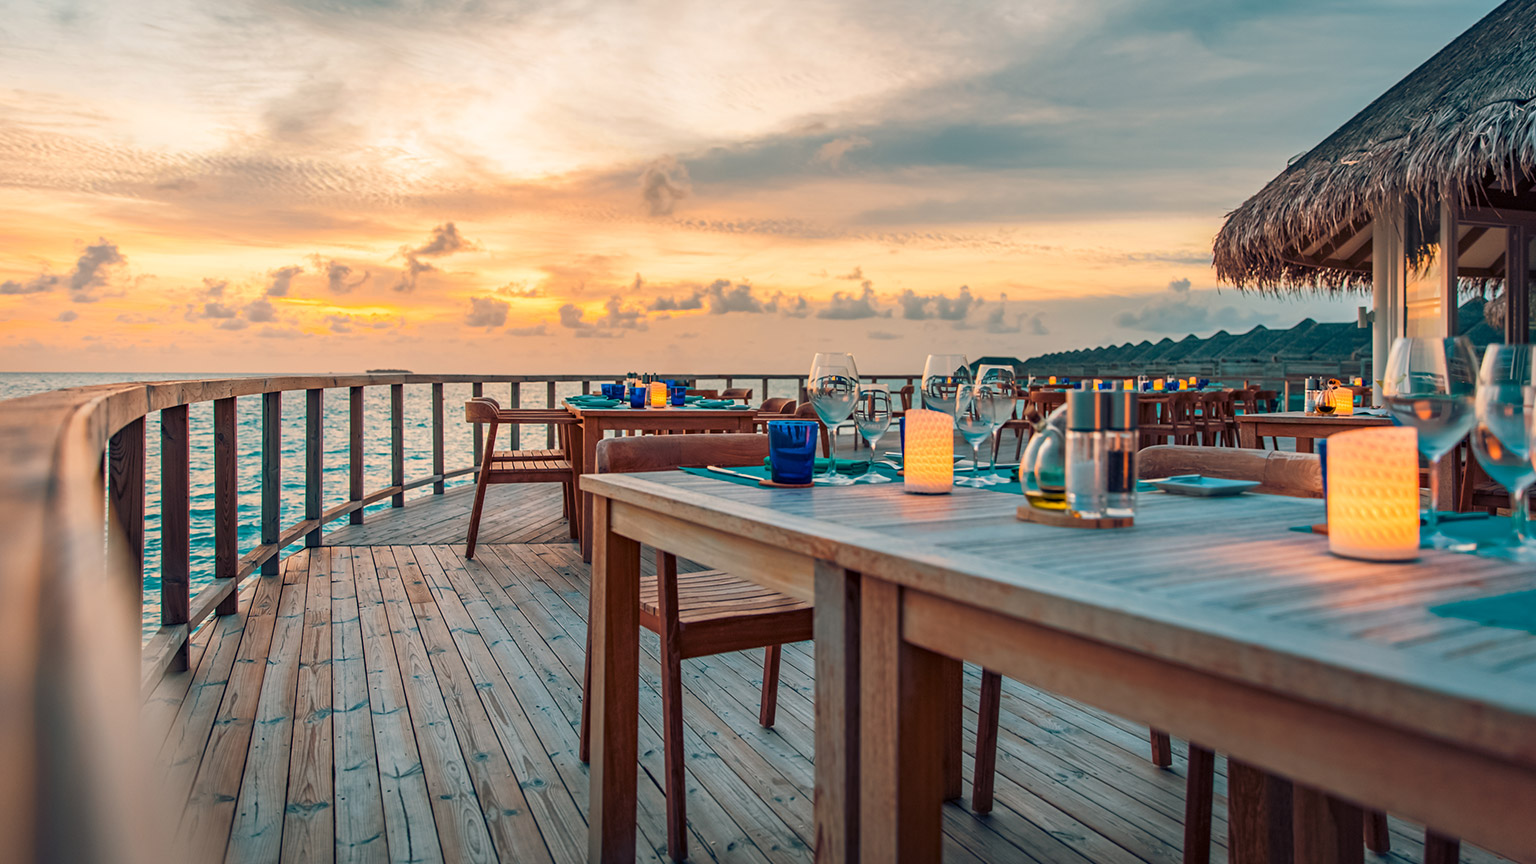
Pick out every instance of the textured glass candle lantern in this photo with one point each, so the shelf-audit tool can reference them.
(1373, 494)
(1158, 384)
(658, 394)
(1343, 401)
(928, 460)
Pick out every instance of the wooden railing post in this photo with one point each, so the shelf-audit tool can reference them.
(586, 387)
(549, 431)
(355, 455)
(438, 465)
(515, 430)
(397, 443)
(226, 500)
(763, 393)
(175, 526)
(271, 476)
(477, 389)
(125, 484)
(314, 463)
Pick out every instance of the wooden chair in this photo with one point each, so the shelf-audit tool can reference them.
(906, 397)
(771, 409)
(1178, 423)
(742, 393)
(1218, 419)
(1279, 473)
(519, 466)
(698, 614)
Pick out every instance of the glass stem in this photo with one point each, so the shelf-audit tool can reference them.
(1519, 517)
(975, 460)
(997, 439)
(1432, 517)
(831, 450)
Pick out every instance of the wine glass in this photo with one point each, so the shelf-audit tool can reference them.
(1500, 438)
(833, 387)
(975, 411)
(872, 416)
(1429, 385)
(942, 376)
(1005, 383)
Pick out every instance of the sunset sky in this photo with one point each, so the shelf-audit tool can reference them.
(331, 185)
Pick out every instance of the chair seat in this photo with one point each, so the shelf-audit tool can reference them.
(529, 471)
(526, 455)
(720, 612)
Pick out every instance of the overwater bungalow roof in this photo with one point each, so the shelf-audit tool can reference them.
(1461, 127)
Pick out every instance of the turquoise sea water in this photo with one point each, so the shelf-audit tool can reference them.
(458, 447)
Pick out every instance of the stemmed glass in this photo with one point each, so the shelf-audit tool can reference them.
(1500, 440)
(833, 387)
(1002, 381)
(975, 413)
(872, 415)
(942, 376)
(1429, 385)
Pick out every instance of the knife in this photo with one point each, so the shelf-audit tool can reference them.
(718, 470)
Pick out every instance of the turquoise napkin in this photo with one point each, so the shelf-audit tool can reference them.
(1516, 611)
(716, 403)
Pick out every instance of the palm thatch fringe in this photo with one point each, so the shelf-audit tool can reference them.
(1463, 122)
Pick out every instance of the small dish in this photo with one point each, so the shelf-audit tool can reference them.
(1203, 487)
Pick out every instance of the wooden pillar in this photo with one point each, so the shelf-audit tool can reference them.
(836, 797)
(314, 462)
(397, 443)
(125, 485)
(271, 476)
(1517, 318)
(438, 469)
(175, 525)
(355, 455)
(226, 499)
(477, 438)
(1387, 266)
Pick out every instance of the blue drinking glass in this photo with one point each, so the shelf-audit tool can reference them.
(791, 451)
(637, 397)
(903, 425)
(679, 396)
(1322, 458)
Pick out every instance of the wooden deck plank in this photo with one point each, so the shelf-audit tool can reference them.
(359, 818)
(310, 813)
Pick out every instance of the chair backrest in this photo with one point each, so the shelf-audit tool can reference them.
(906, 397)
(1299, 475)
(773, 406)
(481, 409)
(703, 394)
(661, 452)
(806, 411)
(742, 393)
(789, 407)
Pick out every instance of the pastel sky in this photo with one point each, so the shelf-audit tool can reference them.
(730, 185)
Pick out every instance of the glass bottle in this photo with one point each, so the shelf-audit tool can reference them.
(1086, 420)
(1120, 446)
(1042, 472)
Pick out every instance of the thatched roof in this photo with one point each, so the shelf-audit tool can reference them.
(1460, 125)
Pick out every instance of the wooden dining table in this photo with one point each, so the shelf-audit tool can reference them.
(1325, 680)
(1305, 428)
(592, 424)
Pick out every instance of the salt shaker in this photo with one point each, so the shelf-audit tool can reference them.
(1120, 446)
(1086, 421)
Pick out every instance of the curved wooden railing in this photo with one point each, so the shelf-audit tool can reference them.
(70, 604)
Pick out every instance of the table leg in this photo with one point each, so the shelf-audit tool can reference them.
(1305, 445)
(1327, 829)
(614, 692)
(591, 433)
(901, 762)
(1258, 816)
(836, 799)
(953, 702)
(1249, 435)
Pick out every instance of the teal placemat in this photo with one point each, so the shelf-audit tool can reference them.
(1516, 611)
(848, 467)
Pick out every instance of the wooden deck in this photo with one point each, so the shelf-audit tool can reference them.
(384, 699)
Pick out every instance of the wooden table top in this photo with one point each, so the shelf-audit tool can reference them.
(1219, 585)
(1302, 417)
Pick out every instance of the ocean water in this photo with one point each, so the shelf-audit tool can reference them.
(458, 453)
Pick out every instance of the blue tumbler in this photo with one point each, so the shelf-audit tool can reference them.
(791, 451)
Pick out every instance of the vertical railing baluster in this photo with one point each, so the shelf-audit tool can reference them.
(175, 525)
(314, 462)
(439, 467)
(549, 430)
(477, 390)
(586, 387)
(125, 484)
(226, 500)
(515, 430)
(397, 443)
(271, 477)
(763, 393)
(355, 456)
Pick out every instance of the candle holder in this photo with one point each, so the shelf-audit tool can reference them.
(928, 452)
(1373, 494)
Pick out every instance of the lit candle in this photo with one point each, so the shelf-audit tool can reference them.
(1373, 494)
(928, 460)
(1098, 384)
(1183, 384)
(1343, 401)
(658, 394)
(1128, 384)
(1053, 379)
(1158, 384)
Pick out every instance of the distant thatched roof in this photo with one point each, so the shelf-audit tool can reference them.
(1460, 124)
